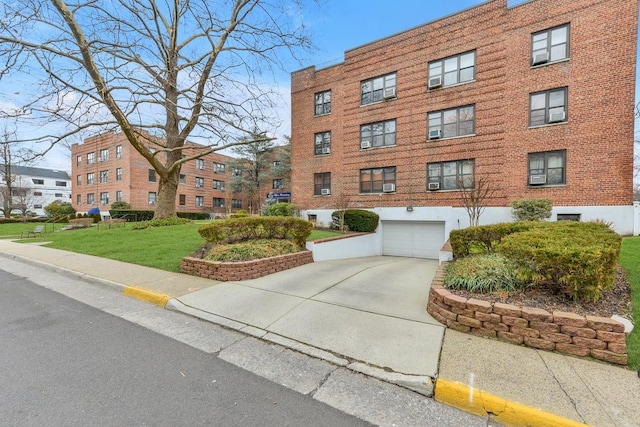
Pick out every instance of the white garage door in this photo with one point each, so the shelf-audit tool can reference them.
(412, 238)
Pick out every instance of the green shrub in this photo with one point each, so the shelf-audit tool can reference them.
(119, 205)
(531, 209)
(258, 227)
(283, 209)
(357, 220)
(482, 273)
(132, 214)
(59, 208)
(194, 216)
(576, 259)
(239, 214)
(482, 239)
(165, 222)
(253, 249)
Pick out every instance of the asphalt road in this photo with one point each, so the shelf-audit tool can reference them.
(64, 363)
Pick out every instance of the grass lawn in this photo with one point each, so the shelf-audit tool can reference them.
(630, 261)
(161, 247)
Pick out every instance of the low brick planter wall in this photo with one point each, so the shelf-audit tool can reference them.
(233, 271)
(597, 337)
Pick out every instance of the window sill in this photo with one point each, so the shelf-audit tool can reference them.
(436, 89)
(322, 115)
(451, 137)
(548, 125)
(550, 63)
(376, 148)
(546, 186)
(379, 102)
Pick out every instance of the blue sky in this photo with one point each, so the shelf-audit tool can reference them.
(342, 25)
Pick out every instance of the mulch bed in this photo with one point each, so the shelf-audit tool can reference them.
(614, 301)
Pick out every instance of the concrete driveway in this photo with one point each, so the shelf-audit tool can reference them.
(370, 310)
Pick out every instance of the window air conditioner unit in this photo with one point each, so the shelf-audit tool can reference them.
(326, 150)
(434, 186)
(389, 93)
(537, 179)
(556, 117)
(325, 191)
(540, 58)
(435, 134)
(388, 188)
(435, 82)
(365, 144)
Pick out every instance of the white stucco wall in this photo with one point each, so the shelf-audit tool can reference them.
(351, 247)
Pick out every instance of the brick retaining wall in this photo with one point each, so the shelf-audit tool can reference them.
(232, 271)
(599, 337)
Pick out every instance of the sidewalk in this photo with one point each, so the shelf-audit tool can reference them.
(403, 345)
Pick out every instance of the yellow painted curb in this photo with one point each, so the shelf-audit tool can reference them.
(509, 413)
(145, 295)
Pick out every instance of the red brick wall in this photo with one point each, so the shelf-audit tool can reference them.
(598, 136)
(232, 271)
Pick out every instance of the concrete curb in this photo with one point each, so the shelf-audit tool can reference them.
(146, 296)
(478, 402)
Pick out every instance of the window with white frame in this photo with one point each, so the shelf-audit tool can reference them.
(378, 89)
(182, 179)
(277, 184)
(118, 151)
(78, 199)
(550, 45)
(78, 161)
(56, 195)
(61, 183)
(199, 201)
(236, 172)
(37, 181)
(236, 204)
(90, 198)
(322, 143)
(455, 175)
(79, 180)
(200, 164)
(547, 168)
(199, 182)
(323, 103)
(218, 202)
(548, 107)
(377, 180)
(152, 197)
(218, 168)
(91, 158)
(322, 181)
(38, 193)
(104, 198)
(104, 177)
(452, 70)
(118, 174)
(378, 134)
(91, 178)
(103, 155)
(218, 185)
(451, 123)
(118, 196)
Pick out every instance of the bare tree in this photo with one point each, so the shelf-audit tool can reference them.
(9, 158)
(251, 169)
(180, 69)
(24, 197)
(342, 204)
(475, 199)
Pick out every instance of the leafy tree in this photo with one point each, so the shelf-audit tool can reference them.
(162, 73)
(119, 205)
(58, 208)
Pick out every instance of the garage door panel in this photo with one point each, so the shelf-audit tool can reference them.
(419, 239)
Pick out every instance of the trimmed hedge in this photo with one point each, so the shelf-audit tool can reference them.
(257, 227)
(482, 239)
(358, 220)
(576, 259)
(194, 215)
(283, 209)
(132, 214)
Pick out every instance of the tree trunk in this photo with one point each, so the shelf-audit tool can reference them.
(166, 198)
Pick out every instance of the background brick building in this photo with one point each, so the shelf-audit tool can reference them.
(537, 99)
(106, 168)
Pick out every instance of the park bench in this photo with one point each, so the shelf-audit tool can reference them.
(33, 233)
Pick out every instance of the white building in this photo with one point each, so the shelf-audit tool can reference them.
(37, 187)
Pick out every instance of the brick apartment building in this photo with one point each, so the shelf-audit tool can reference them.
(106, 168)
(537, 98)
